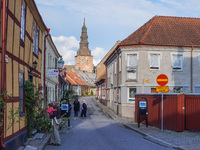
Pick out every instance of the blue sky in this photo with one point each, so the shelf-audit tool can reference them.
(107, 21)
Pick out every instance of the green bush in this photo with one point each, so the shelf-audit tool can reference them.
(91, 93)
(42, 122)
(69, 94)
(86, 93)
(31, 105)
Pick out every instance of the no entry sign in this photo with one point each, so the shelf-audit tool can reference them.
(162, 80)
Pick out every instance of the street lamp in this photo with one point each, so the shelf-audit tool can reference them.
(34, 64)
(60, 63)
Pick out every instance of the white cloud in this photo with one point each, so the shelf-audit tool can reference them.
(96, 61)
(67, 47)
(98, 53)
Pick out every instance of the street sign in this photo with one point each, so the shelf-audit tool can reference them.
(162, 80)
(162, 89)
(53, 72)
(65, 107)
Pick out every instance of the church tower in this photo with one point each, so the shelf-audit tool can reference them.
(84, 59)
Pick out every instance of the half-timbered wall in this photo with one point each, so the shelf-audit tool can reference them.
(20, 58)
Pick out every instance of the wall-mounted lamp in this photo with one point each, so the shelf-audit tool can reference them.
(60, 63)
(34, 66)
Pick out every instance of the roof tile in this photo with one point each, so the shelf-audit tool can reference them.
(165, 30)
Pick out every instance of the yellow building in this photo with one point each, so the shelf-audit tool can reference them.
(22, 30)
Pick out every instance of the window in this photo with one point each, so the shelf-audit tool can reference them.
(35, 39)
(131, 94)
(23, 23)
(131, 67)
(120, 60)
(154, 61)
(56, 61)
(115, 67)
(177, 89)
(111, 74)
(21, 92)
(34, 32)
(56, 94)
(177, 62)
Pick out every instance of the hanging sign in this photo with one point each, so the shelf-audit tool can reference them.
(53, 72)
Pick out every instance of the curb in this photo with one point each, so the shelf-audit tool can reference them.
(44, 142)
(146, 136)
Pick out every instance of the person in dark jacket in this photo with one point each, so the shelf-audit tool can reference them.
(76, 107)
(55, 138)
(84, 109)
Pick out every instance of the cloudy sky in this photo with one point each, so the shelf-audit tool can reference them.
(107, 21)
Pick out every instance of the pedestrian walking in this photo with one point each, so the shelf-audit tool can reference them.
(55, 138)
(50, 111)
(76, 107)
(84, 109)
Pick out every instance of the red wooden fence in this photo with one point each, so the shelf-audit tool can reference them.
(173, 111)
(192, 112)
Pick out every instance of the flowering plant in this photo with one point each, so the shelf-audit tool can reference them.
(3, 97)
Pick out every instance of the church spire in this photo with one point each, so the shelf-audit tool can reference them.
(84, 50)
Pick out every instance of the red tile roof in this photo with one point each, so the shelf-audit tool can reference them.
(165, 30)
(75, 79)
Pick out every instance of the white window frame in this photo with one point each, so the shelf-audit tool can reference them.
(134, 68)
(120, 63)
(23, 15)
(34, 32)
(150, 60)
(130, 99)
(37, 41)
(115, 67)
(176, 68)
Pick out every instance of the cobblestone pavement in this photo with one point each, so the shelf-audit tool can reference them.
(186, 140)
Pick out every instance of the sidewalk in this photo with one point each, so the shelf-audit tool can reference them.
(38, 142)
(185, 140)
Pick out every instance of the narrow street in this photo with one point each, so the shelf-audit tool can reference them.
(99, 132)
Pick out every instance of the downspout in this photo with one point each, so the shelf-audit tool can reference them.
(192, 69)
(106, 87)
(117, 81)
(3, 64)
(44, 78)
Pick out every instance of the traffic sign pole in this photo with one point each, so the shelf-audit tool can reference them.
(162, 80)
(162, 115)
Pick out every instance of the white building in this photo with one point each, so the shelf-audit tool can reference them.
(163, 45)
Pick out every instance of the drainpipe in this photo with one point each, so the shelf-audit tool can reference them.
(3, 64)
(44, 78)
(117, 81)
(192, 69)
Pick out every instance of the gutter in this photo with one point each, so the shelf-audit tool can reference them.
(44, 78)
(192, 68)
(117, 81)
(3, 64)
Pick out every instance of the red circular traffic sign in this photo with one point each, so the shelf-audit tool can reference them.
(162, 80)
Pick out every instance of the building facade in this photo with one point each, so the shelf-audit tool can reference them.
(51, 80)
(163, 45)
(21, 47)
(101, 82)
